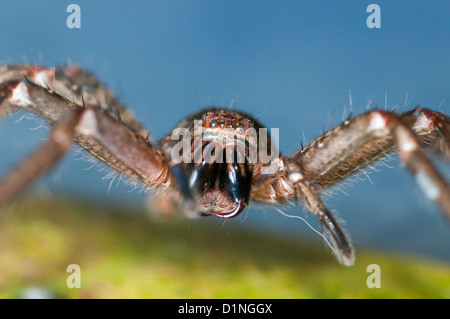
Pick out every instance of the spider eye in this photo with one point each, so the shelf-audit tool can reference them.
(213, 124)
(240, 129)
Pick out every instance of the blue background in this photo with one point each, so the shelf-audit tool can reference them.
(296, 65)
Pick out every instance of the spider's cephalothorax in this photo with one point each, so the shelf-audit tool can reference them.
(214, 162)
(218, 172)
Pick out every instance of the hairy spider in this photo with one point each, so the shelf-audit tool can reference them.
(219, 169)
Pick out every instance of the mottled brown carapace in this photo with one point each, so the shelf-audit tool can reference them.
(214, 173)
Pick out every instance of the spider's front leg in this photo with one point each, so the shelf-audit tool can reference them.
(289, 183)
(350, 147)
(96, 130)
(365, 138)
(75, 85)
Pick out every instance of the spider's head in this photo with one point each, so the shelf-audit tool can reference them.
(218, 174)
(223, 179)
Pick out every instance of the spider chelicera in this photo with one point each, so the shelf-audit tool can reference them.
(84, 111)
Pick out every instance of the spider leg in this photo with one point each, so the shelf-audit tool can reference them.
(53, 92)
(11, 74)
(96, 130)
(84, 85)
(289, 183)
(352, 146)
(75, 85)
(365, 138)
(332, 230)
(433, 129)
(41, 160)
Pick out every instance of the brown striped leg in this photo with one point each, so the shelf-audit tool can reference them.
(331, 229)
(364, 139)
(42, 160)
(117, 139)
(94, 129)
(290, 183)
(75, 85)
(434, 130)
(85, 86)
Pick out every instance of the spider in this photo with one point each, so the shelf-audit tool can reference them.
(82, 110)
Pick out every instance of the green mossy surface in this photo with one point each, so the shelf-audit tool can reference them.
(128, 255)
